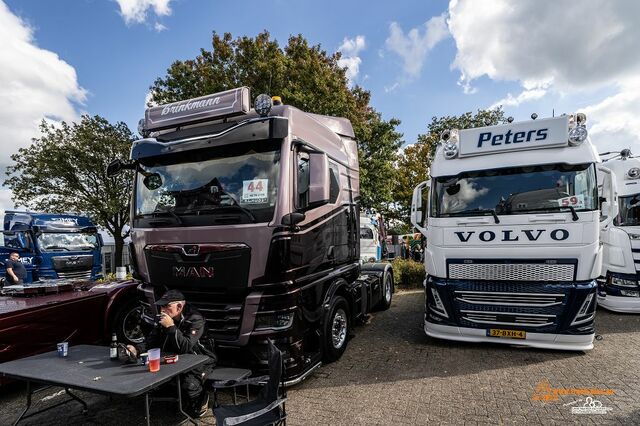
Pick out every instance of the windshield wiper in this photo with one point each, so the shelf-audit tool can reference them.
(164, 213)
(492, 211)
(225, 207)
(574, 215)
(56, 248)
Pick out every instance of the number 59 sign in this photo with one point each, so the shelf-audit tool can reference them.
(575, 201)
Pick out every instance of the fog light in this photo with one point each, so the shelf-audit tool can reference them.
(274, 321)
(439, 306)
(577, 135)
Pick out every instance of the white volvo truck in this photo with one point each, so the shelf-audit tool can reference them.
(512, 222)
(618, 288)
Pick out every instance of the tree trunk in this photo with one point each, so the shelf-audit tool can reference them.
(119, 244)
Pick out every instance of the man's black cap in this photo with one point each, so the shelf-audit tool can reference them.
(170, 296)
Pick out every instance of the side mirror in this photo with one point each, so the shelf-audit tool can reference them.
(417, 218)
(116, 166)
(319, 179)
(292, 219)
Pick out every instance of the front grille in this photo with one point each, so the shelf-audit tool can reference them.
(519, 319)
(536, 305)
(635, 251)
(77, 275)
(510, 299)
(223, 318)
(512, 271)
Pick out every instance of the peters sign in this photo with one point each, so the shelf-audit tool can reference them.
(544, 133)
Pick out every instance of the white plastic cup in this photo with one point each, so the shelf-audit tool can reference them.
(154, 359)
(121, 272)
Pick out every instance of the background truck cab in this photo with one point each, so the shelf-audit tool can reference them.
(52, 245)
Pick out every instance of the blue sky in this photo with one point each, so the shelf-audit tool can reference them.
(418, 58)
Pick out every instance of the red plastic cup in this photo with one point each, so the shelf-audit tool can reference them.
(154, 360)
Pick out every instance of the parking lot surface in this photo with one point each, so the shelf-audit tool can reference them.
(392, 373)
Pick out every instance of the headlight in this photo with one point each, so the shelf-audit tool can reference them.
(621, 282)
(634, 236)
(273, 321)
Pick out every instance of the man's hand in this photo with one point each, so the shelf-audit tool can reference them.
(133, 350)
(165, 320)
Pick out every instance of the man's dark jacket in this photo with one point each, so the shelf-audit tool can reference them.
(184, 337)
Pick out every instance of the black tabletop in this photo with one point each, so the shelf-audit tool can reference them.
(89, 368)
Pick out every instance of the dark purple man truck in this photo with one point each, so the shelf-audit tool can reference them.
(253, 214)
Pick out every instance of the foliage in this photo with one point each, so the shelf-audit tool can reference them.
(407, 273)
(111, 276)
(414, 162)
(65, 171)
(304, 76)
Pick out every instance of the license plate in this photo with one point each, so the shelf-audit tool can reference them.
(509, 334)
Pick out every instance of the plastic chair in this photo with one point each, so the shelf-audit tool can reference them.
(269, 407)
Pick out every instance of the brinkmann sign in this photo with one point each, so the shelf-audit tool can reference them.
(215, 106)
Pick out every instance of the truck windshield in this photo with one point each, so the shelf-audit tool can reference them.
(517, 190)
(629, 211)
(12, 239)
(234, 183)
(67, 241)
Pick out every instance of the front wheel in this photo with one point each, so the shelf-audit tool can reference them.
(336, 329)
(128, 323)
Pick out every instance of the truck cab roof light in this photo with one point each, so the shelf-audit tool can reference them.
(449, 140)
(634, 173)
(577, 135)
(263, 104)
(277, 100)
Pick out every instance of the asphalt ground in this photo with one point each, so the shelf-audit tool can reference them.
(392, 373)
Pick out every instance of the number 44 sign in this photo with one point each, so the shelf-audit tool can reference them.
(575, 201)
(255, 191)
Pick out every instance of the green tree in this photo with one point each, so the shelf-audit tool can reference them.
(65, 170)
(304, 76)
(414, 162)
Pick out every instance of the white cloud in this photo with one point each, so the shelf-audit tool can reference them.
(524, 96)
(416, 44)
(560, 47)
(392, 88)
(350, 48)
(613, 123)
(135, 11)
(159, 27)
(574, 45)
(34, 84)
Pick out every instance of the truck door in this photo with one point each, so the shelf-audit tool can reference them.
(19, 242)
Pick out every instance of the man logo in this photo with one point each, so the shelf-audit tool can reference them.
(191, 249)
(193, 271)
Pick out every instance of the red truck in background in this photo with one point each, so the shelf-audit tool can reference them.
(35, 317)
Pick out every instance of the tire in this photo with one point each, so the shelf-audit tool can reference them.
(387, 292)
(129, 325)
(336, 330)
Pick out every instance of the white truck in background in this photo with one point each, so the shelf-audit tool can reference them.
(373, 245)
(513, 234)
(618, 288)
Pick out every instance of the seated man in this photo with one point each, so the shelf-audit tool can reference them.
(178, 331)
(16, 272)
